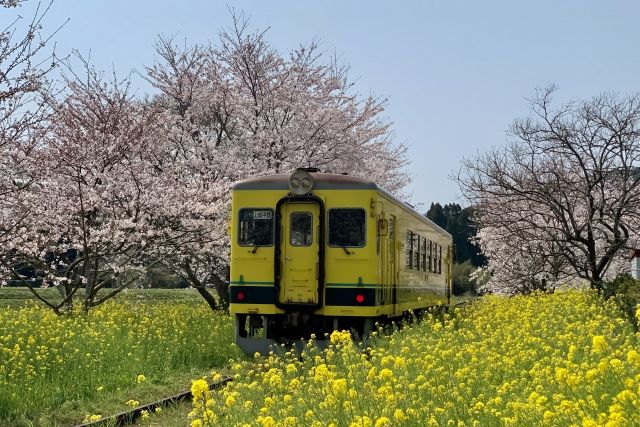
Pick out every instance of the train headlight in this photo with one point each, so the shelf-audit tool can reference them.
(300, 183)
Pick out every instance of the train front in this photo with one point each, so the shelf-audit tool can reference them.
(279, 242)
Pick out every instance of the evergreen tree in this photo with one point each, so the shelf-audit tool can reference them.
(458, 222)
(436, 214)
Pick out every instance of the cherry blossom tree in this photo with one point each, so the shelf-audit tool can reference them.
(241, 108)
(561, 201)
(117, 184)
(300, 111)
(25, 63)
(197, 128)
(24, 66)
(94, 216)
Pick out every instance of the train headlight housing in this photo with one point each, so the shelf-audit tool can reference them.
(300, 183)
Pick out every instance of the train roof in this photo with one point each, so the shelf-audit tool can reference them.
(321, 181)
(327, 181)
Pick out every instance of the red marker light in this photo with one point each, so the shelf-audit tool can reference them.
(359, 298)
(240, 295)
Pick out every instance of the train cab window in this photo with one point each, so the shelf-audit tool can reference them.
(347, 228)
(301, 229)
(255, 227)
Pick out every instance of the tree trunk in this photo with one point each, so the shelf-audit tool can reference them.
(207, 297)
(65, 289)
(222, 288)
(199, 286)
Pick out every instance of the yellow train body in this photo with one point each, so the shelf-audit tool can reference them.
(338, 255)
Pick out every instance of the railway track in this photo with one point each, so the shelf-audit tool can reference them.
(129, 417)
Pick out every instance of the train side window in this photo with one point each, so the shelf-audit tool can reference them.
(301, 229)
(347, 228)
(409, 249)
(423, 252)
(416, 251)
(439, 259)
(255, 227)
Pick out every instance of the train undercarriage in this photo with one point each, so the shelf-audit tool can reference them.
(256, 333)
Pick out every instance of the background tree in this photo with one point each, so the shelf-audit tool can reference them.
(467, 256)
(25, 63)
(91, 216)
(118, 186)
(458, 222)
(561, 200)
(241, 108)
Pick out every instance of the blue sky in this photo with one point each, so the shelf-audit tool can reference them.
(455, 73)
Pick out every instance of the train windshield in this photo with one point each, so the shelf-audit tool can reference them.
(347, 227)
(301, 229)
(256, 227)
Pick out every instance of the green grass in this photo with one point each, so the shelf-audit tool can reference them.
(14, 297)
(74, 411)
(55, 370)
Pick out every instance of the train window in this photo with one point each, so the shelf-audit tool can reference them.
(430, 251)
(423, 253)
(347, 228)
(416, 251)
(439, 259)
(301, 229)
(409, 249)
(255, 227)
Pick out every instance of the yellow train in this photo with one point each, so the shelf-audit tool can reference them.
(314, 252)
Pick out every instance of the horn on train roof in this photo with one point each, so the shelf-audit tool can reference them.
(301, 181)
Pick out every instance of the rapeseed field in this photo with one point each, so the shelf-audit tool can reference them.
(563, 359)
(50, 362)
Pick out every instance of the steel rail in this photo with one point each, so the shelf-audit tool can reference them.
(128, 417)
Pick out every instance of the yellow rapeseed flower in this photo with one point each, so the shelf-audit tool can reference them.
(599, 344)
(199, 388)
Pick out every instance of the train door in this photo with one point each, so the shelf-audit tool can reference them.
(382, 243)
(299, 251)
(392, 264)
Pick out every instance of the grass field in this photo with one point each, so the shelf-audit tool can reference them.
(18, 297)
(566, 359)
(141, 346)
